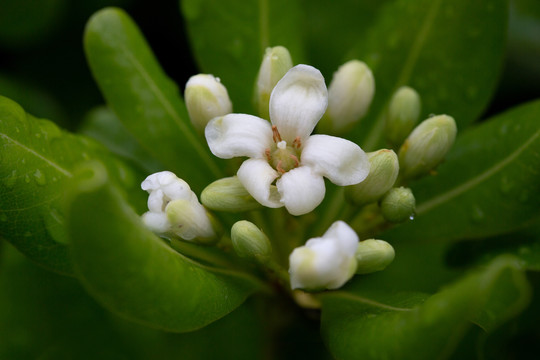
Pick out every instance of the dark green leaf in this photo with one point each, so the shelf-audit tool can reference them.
(488, 185)
(229, 38)
(450, 51)
(137, 275)
(402, 326)
(36, 160)
(144, 98)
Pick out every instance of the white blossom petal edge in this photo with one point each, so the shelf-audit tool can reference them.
(297, 162)
(327, 262)
(165, 190)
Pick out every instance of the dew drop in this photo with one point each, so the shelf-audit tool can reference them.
(412, 217)
(40, 177)
(11, 179)
(506, 185)
(477, 214)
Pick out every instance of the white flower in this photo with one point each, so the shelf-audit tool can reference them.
(284, 151)
(174, 208)
(327, 262)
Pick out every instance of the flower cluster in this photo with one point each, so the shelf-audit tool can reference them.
(286, 165)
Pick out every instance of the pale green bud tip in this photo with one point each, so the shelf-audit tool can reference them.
(382, 176)
(373, 255)
(427, 146)
(276, 62)
(403, 114)
(250, 242)
(206, 98)
(228, 194)
(190, 221)
(398, 205)
(349, 96)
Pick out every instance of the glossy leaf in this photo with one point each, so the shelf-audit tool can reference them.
(229, 38)
(403, 326)
(144, 98)
(137, 275)
(450, 51)
(36, 161)
(488, 184)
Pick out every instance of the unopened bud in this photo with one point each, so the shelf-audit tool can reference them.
(228, 194)
(190, 221)
(250, 242)
(373, 255)
(206, 98)
(398, 205)
(427, 146)
(349, 97)
(276, 62)
(382, 176)
(403, 114)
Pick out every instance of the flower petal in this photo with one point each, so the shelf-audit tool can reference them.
(344, 236)
(238, 135)
(340, 160)
(298, 102)
(301, 190)
(257, 176)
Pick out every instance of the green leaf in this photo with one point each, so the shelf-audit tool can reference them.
(403, 326)
(137, 275)
(451, 53)
(488, 185)
(36, 161)
(144, 98)
(103, 125)
(229, 38)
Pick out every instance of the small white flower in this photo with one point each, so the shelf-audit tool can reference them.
(284, 151)
(327, 262)
(168, 194)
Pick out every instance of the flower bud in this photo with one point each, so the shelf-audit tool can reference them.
(382, 176)
(175, 210)
(190, 221)
(276, 62)
(206, 98)
(426, 146)
(398, 205)
(373, 255)
(228, 194)
(403, 114)
(349, 97)
(327, 262)
(250, 242)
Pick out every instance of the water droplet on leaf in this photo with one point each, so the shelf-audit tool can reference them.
(40, 177)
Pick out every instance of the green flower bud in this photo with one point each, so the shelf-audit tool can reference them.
(206, 98)
(349, 97)
(250, 242)
(190, 221)
(382, 176)
(403, 114)
(398, 205)
(426, 146)
(228, 194)
(373, 255)
(276, 62)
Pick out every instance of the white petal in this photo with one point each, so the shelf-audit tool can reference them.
(256, 175)
(301, 190)
(298, 102)
(156, 222)
(344, 236)
(154, 181)
(340, 160)
(238, 135)
(189, 220)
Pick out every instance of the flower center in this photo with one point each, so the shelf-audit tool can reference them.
(283, 157)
